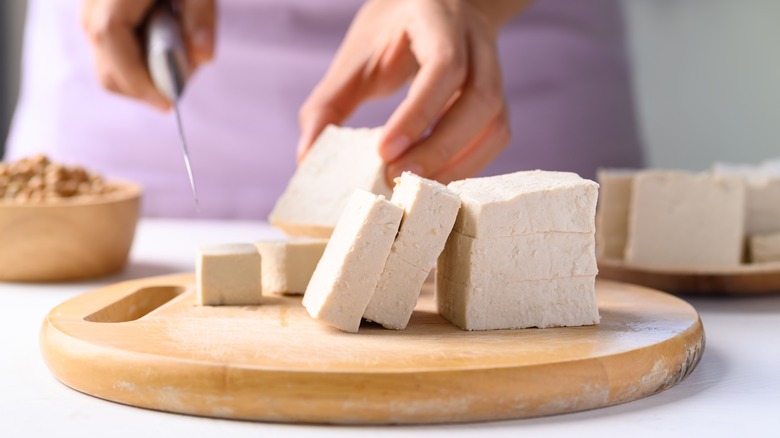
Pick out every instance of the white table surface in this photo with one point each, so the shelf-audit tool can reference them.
(734, 391)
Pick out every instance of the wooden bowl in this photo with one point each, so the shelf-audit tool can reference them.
(68, 239)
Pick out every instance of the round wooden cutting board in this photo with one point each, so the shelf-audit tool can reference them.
(146, 343)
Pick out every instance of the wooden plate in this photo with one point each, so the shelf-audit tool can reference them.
(145, 343)
(745, 279)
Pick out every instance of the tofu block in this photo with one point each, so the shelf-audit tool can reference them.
(525, 202)
(229, 275)
(289, 264)
(612, 212)
(340, 161)
(686, 220)
(349, 270)
(396, 293)
(762, 209)
(430, 209)
(765, 248)
(525, 257)
(560, 302)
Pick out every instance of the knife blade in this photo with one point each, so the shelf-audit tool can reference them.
(166, 58)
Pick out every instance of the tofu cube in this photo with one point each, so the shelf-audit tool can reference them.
(289, 264)
(340, 161)
(349, 271)
(686, 220)
(229, 275)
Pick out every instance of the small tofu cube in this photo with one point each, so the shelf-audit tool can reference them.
(686, 220)
(340, 161)
(229, 275)
(289, 264)
(347, 274)
(396, 293)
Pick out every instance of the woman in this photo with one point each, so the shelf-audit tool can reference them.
(561, 88)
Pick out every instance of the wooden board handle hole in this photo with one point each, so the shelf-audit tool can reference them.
(136, 305)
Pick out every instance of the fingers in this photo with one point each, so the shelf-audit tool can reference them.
(481, 152)
(199, 19)
(478, 105)
(440, 49)
(111, 28)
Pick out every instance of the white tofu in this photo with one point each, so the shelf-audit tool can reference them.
(686, 220)
(501, 260)
(613, 211)
(561, 302)
(340, 161)
(289, 264)
(762, 209)
(229, 275)
(429, 213)
(765, 248)
(525, 202)
(430, 209)
(349, 270)
(396, 293)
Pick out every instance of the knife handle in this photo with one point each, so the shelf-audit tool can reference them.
(166, 54)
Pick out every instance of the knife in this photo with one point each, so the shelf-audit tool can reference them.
(166, 58)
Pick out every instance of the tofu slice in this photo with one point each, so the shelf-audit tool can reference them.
(560, 302)
(501, 260)
(347, 275)
(686, 220)
(340, 161)
(228, 275)
(612, 212)
(430, 209)
(396, 293)
(765, 248)
(525, 202)
(289, 264)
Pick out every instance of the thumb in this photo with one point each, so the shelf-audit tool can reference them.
(199, 18)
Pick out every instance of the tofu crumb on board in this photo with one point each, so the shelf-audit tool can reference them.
(288, 264)
(340, 161)
(522, 251)
(348, 272)
(228, 275)
(430, 209)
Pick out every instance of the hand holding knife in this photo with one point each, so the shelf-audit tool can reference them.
(166, 57)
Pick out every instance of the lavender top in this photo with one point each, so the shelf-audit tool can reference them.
(564, 66)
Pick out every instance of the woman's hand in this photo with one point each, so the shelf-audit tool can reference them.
(447, 48)
(113, 30)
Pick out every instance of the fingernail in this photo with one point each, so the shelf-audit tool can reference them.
(303, 143)
(395, 170)
(395, 147)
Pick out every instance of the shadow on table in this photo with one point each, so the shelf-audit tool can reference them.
(742, 304)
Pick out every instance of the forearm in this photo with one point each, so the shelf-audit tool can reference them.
(498, 12)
